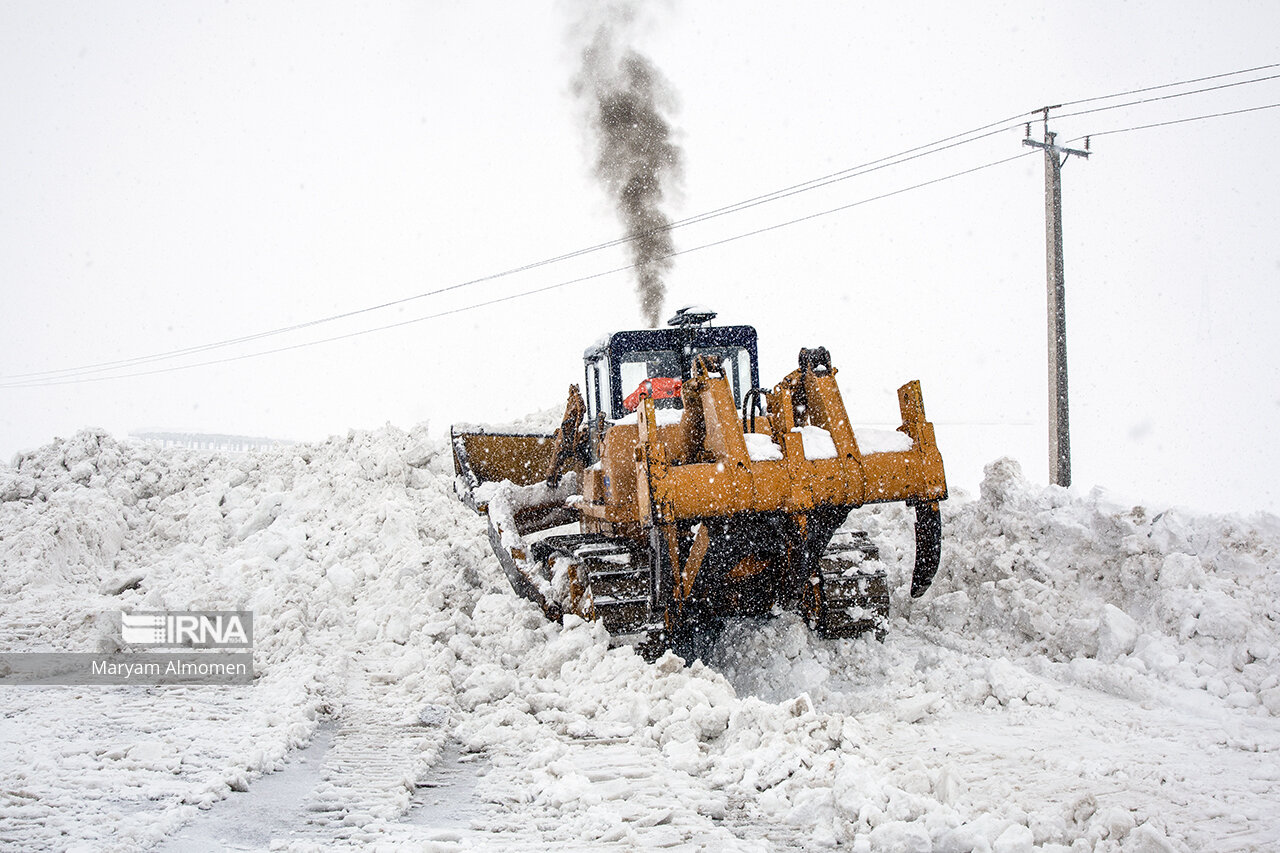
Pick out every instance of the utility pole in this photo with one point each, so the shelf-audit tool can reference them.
(1059, 428)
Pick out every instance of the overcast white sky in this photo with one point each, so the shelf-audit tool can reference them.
(176, 174)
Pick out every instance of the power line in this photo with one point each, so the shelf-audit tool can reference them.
(908, 155)
(1179, 121)
(1165, 97)
(1169, 85)
(857, 171)
(532, 292)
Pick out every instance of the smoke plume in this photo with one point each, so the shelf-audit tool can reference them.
(628, 103)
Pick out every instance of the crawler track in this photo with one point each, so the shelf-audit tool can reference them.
(855, 592)
(610, 582)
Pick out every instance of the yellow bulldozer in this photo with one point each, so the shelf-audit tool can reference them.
(677, 492)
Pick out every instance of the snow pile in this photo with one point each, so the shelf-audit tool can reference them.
(1081, 677)
(1194, 601)
(542, 422)
(1077, 672)
(315, 540)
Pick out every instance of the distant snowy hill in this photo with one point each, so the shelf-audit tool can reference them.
(1080, 677)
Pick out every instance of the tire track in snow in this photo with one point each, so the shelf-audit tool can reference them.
(373, 766)
(597, 794)
(127, 749)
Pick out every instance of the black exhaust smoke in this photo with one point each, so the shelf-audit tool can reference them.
(628, 103)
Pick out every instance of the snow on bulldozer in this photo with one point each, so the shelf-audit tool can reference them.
(677, 492)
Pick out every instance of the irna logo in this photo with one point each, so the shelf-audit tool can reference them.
(199, 629)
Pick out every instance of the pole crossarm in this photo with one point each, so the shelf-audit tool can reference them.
(1057, 149)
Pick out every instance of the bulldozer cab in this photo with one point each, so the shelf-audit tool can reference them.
(624, 368)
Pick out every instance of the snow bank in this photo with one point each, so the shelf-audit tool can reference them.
(1064, 642)
(1080, 677)
(327, 545)
(1185, 599)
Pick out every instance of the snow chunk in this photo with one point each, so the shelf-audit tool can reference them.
(881, 440)
(663, 417)
(1182, 571)
(761, 447)
(1117, 634)
(122, 583)
(542, 422)
(1147, 839)
(1222, 617)
(818, 443)
(1002, 482)
(898, 835)
(1016, 839)
(1271, 700)
(14, 486)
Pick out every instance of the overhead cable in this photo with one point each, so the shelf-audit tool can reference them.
(32, 383)
(72, 373)
(1128, 92)
(785, 192)
(1165, 97)
(1177, 121)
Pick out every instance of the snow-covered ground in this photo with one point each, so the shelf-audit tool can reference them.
(1081, 676)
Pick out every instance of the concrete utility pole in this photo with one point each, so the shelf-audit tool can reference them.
(1059, 428)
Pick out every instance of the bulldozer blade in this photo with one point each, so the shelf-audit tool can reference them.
(481, 457)
(928, 547)
(523, 581)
